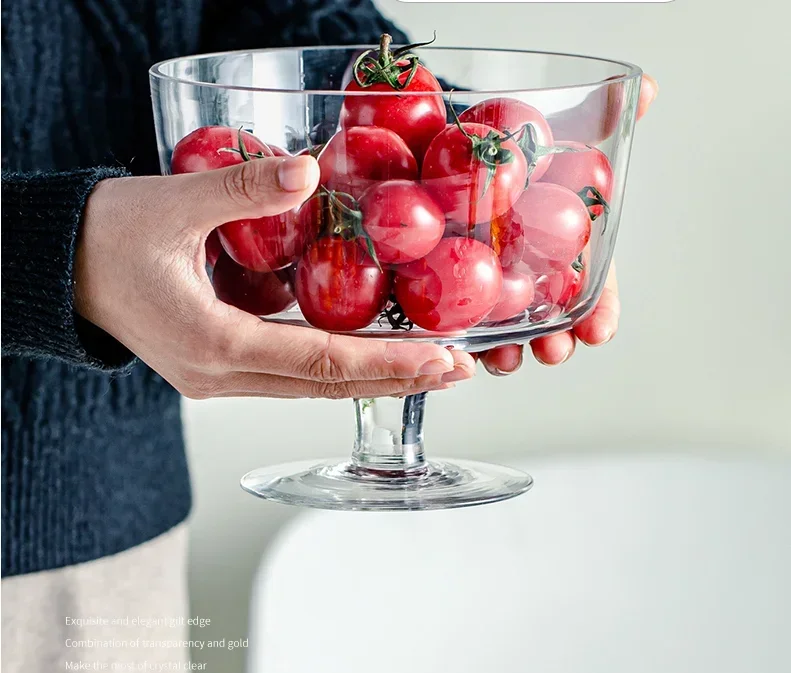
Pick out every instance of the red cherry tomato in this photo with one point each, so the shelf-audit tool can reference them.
(265, 243)
(557, 287)
(338, 286)
(313, 216)
(416, 119)
(452, 288)
(211, 147)
(508, 241)
(402, 221)
(356, 158)
(588, 167)
(262, 244)
(575, 281)
(517, 294)
(257, 293)
(510, 116)
(473, 175)
(555, 222)
(213, 248)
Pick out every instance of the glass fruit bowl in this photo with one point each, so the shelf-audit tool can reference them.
(468, 197)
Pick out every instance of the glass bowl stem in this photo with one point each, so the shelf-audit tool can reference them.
(389, 435)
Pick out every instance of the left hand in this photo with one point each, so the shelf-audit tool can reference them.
(597, 329)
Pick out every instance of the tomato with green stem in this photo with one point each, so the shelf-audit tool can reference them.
(210, 147)
(556, 225)
(260, 244)
(329, 213)
(415, 118)
(474, 172)
(512, 116)
(339, 287)
(585, 170)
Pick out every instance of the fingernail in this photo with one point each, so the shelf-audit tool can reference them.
(608, 335)
(436, 367)
(494, 371)
(441, 386)
(460, 373)
(431, 389)
(296, 174)
(554, 364)
(653, 89)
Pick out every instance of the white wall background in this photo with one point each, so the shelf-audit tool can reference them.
(701, 362)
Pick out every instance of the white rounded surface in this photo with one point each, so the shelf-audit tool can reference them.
(609, 565)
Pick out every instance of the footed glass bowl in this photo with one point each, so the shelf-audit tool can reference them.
(468, 197)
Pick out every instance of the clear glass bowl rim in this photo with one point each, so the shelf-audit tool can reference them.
(156, 71)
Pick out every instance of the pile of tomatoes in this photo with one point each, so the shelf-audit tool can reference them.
(418, 219)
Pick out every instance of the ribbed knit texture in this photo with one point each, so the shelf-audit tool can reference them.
(38, 314)
(92, 452)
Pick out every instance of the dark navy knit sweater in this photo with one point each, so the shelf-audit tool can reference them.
(92, 453)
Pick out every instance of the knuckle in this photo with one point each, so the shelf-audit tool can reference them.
(241, 184)
(197, 386)
(323, 365)
(332, 391)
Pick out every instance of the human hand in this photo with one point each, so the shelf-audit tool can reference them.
(140, 276)
(597, 329)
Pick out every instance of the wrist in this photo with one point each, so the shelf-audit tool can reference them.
(98, 217)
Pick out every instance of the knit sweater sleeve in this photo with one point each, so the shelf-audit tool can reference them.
(41, 216)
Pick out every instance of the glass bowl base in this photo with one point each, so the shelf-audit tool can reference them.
(345, 485)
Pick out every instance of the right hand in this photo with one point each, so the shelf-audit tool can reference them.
(140, 276)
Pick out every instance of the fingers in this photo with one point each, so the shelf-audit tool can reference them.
(502, 360)
(601, 325)
(304, 353)
(245, 384)
(597, 329)
(649, 88)
(554, 349)
(257, 188)
(202, 385)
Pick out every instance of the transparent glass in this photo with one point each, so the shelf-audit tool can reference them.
(474, 211)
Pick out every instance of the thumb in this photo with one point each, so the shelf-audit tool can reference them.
(256, 188)
(649, 88)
